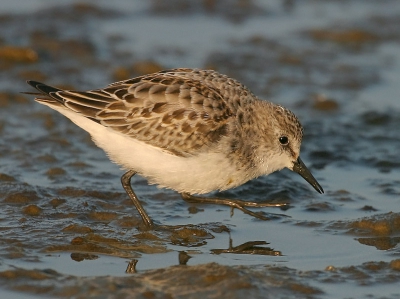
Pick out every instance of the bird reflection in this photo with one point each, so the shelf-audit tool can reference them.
(251, 247)
(131, 268)
(183, 257)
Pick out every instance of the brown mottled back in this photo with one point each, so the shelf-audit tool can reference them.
(157, 108)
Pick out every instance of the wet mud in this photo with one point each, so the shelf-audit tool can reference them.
(69, 230)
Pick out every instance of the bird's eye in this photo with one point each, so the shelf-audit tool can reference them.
(283, 140)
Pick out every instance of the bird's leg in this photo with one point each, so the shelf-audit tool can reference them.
(126, 183)
(233, 203)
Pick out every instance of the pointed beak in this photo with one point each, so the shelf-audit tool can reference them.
(301, 169)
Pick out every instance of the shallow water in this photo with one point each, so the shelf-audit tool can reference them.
(68, 228)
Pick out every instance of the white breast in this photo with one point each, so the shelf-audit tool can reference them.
(202, 173)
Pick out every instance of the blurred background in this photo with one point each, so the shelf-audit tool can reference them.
(67, 226)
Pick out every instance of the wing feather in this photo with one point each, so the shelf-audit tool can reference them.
(168, 109)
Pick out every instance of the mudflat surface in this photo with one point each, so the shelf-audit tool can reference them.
(68, 230)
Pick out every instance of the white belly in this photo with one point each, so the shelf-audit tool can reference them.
(202, 173)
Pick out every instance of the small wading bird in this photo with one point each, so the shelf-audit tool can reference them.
(190, 130)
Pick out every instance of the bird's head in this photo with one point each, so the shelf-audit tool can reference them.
(284, 141)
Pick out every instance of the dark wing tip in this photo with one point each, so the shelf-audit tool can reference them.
(43, 88)
(33, 83)
(46, 92)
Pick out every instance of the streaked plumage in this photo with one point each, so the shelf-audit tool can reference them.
(193, 131)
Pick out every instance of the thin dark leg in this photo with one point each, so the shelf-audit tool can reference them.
(233, 203)
(126, 183)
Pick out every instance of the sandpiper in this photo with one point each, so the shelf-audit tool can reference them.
(190, 130)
